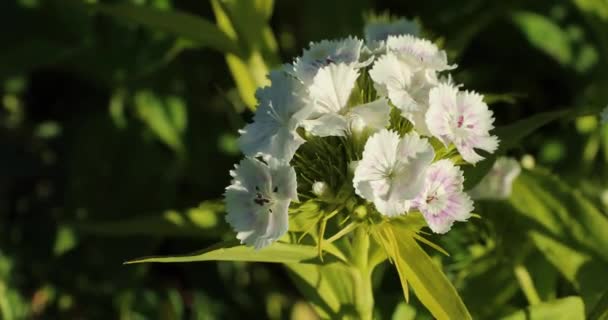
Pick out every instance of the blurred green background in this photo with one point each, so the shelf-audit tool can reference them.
(118, 128)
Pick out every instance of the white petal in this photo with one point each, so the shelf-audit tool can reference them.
(332, 87)
(326, 52)
(257, 139)
(281, 110)
(392, 170)
(329, 124)
(498, 182)
(374, 115)
(389, 73)
(418, 52)
(258, 199)
(284, 184)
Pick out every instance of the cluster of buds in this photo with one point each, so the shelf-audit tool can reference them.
(378, 123)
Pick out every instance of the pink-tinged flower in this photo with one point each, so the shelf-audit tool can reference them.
(462, 118)
(258, 199)
(442, 200)
(392, 170)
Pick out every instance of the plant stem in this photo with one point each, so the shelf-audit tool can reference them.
(362, 275)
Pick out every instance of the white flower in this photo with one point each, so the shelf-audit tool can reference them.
(330, 91)
(418, 53)
(392, 170)
(321, 54)
(498, 182)
(463, 119)
(442, 200)
(380, 31)
(604, 115)
(282, 108)
(258, 199)
(407, 87)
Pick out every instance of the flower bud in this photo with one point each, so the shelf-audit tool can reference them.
(320, 189)
(360, 212)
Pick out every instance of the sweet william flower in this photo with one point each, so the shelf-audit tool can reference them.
(282, 108)
(326, 52)
(461, 117)
(258, 199)
(332, 116)
(442, 200)
(406, 86)
(418, 53)
(392, 170)
(498, 182)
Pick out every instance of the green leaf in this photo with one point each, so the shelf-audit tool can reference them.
(561, 211)
(277, 252)
(201, 221)
(329, 288)
(566, 228)
(545, 35)
(430, 284)
(570, 308)
(600, 311)
(249, 68)
(166, 117)
(178, 23)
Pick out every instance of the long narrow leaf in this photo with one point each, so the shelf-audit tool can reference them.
(178, 23)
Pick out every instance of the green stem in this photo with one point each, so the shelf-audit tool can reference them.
(362, 275)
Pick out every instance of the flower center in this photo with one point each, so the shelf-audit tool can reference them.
(264, 201)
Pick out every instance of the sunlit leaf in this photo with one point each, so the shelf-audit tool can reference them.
(277, 252)
(545, 35)
(570, 308)
(329, 288)
(166, 117)
(430, 284)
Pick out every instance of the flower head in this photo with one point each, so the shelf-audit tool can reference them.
(392, 170)
(258, 199)
(282, 108)
(321, 54)
(498, 182)
(332, 116)
(461, 117)
(406, 87)
(442, 200)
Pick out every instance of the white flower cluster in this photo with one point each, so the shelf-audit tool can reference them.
(345, 88)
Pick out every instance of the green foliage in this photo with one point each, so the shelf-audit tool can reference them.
(181, 24)
(118, 119)
(565, 308)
